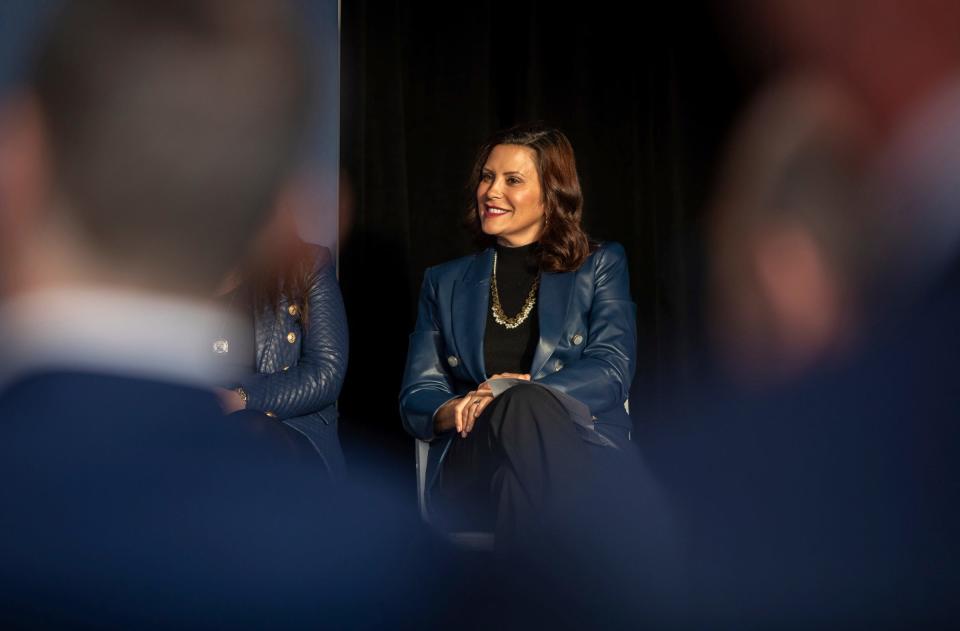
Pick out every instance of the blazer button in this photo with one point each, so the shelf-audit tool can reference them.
(577, 339)
(291, 337)
(293, 310)
(286, 368)
(558, 365)
(271, 414)
(453, 361)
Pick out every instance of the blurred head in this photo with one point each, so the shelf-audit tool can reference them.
(280, 264)
(790, 249)
(526, 189)
(164, 133)
(890, 54)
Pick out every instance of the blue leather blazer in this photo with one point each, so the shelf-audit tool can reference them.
(587, 345)
(300, 370)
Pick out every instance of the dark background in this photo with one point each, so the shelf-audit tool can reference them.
(647, 96)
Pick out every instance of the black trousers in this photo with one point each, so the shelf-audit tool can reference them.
(524, 469)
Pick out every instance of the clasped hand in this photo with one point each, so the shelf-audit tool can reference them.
(461, 413)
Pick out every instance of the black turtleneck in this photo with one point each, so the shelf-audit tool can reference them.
(511, 350)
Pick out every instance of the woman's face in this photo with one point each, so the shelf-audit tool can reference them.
(509, 199)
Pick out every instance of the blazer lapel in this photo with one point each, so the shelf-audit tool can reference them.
(553, 298)
(471, 299)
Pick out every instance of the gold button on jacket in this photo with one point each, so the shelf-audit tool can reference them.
(291, 337)
(293, 310)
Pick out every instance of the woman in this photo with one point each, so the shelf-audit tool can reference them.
(294, 352)
(540, 304)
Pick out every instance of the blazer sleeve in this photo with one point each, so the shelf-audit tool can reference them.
(601, 377)
(426, 383)
(315, 381)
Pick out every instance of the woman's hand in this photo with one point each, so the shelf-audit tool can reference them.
(469, 409)
(463, 412)
(504, 375)
(230, 400)
(484, 394)
(460, 413)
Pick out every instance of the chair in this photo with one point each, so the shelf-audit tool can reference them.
(468, 540)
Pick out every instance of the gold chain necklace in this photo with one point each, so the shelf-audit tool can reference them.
(496, 309)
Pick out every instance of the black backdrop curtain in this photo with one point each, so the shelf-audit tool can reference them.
(646, 102)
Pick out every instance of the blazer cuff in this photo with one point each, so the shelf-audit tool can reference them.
(420, 409)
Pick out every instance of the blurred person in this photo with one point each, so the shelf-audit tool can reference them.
(145, 150)
(790, 243)
(292, 355)
(831, 501)
(900, 66)
(539, 305)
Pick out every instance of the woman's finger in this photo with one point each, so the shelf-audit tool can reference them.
(470, 418)
(464, 412)
(478, 400)
(458, 412)
(479, 408)
(504, 375)
(484, 399)
(511, 375)
(475, 409)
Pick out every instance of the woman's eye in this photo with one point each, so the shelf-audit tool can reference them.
(486, 177)
(513, 180)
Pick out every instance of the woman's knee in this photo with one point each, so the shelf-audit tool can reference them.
(526, 394)
(524, 406)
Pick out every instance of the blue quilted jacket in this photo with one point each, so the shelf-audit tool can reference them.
(300, 370)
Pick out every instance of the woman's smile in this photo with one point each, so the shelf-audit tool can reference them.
(490, 211)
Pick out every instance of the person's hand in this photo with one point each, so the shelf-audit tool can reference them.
(485, 388)
(461, 413)
(504, 375)
(469, 408)
(230, 400)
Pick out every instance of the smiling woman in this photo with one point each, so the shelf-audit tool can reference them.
(541, 305)
(524, 188)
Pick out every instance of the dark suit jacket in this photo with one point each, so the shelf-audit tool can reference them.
(587, 340)
(134, 503)
(300, 369)
(833, 502)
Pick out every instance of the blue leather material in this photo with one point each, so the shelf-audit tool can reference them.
(300, 381)
(587, 344)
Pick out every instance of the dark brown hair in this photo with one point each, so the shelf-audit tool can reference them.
(281, 266)
(563, 245)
